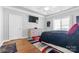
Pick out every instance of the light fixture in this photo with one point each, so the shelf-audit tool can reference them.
(46, 8)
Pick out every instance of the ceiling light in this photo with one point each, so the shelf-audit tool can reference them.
(46, 8)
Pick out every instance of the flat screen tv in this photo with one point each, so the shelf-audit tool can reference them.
(33, 19)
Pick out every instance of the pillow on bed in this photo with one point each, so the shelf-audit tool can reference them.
(36, 38)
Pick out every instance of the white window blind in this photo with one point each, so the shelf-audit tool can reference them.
(61, 23)
(56, 24)
(65, 23)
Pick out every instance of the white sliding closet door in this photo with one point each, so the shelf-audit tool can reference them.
(15, 26)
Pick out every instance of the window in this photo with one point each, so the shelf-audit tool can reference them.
(61, 24)
(65, 23)
(56, 25)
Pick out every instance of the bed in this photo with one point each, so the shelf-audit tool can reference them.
(62, 39)
(43, 43)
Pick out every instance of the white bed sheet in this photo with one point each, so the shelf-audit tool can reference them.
(59, 48)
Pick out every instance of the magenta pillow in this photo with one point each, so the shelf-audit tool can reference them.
(73, 29)
(36, 38)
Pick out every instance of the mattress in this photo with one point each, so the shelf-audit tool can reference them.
(64, 50)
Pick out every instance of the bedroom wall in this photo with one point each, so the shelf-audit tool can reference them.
(70, 12)
(48, 19)
(1, 23)
(26, 24)
(29, 25)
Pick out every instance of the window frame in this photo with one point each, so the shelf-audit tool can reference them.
(61, 25)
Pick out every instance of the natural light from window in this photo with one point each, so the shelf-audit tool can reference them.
(56, 24)
(61, 24)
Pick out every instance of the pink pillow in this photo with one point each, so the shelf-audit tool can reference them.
(36, 38)
(73, 29)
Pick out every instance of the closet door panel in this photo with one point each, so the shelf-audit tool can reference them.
(15, 26)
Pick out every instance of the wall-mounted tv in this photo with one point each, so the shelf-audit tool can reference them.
(33, 19)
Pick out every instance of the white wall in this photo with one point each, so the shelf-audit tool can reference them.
(1, 23)
(26, 24)
(72, 13)
(51, 24)
(29, 25)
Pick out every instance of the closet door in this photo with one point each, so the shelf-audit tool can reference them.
(15, 26)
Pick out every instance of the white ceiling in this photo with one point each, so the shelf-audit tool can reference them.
(40, 9)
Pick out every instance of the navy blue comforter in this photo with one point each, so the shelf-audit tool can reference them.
(56, 37)
(61, 38)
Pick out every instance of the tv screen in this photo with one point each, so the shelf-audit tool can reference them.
(33, 19)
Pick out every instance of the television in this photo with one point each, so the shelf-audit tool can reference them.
(33, 19)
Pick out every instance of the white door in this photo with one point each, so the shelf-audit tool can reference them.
(15, 26)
